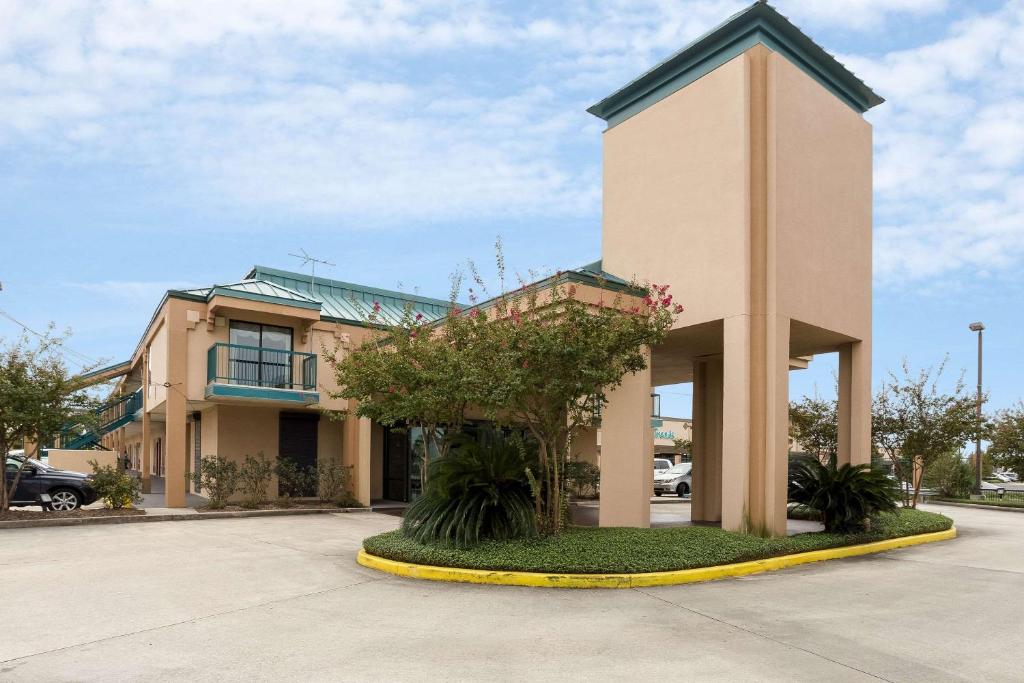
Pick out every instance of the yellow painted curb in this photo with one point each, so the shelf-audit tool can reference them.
(671, 578)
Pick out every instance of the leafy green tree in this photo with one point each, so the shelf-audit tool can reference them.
(813, 424)
(915, 423)
(408, 373)
(684, 447)
(951, 476)
(544, 358)
(39, 396)
(1006, 436)
(541, 358)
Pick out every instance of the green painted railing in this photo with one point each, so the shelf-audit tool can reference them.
(255, 366)
(113, 415)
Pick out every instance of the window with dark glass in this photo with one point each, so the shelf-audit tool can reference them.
(260, 355)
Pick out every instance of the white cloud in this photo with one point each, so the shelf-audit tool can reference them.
(333, 107)
(949, 151)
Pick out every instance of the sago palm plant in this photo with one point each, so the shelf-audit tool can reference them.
(478, 491)
(846, 496)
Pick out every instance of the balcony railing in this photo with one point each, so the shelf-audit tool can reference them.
(121, 408)
(254, 366)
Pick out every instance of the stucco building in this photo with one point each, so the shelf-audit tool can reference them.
(738, 170)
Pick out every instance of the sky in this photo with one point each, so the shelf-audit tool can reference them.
(173, 143)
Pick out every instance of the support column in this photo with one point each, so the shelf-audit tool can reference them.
(854, 406)
(706, 493)
(627, 453)
(755, 424)
(175, 441)
(147, 459)
(357, 452)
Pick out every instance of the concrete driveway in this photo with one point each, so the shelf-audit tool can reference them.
(282, 599)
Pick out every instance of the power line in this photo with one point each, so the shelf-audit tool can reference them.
(83, 360)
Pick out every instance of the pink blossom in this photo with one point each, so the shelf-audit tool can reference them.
(474, 313)
(678, 309)
(376, 306)
(419, 316)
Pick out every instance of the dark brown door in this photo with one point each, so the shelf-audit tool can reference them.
(396, 465)
(298, 441)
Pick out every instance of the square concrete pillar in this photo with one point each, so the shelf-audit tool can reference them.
(176, 438)
(755, 424)
(706, 491)
(854, 409)
(357, 452)
(627, 453)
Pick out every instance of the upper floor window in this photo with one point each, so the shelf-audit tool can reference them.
(267, 360)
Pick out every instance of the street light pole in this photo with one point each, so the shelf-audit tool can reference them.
(979, 328)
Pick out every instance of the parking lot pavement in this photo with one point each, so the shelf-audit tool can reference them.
(282, 599)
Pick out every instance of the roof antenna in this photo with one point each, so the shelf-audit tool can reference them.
(311, 262)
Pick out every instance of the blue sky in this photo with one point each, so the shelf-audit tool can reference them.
(166, 144)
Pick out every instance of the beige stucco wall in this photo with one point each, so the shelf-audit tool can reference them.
(675, 204)
(158, 368)
(819, 174)
(78, 461)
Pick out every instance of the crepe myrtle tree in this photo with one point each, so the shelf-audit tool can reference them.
(38, 398)
(1006, 437)
(539, 358)
(915, 423)
(408, 372)
(544, 359)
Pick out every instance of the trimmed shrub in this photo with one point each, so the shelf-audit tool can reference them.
(847, 496)
(478, 491)
(118, 489)
(218, 478)
(294, 481)
(253, 480)
(582, 478)
(335, 484)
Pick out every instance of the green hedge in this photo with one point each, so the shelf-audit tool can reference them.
(581, 550)
(991, 502)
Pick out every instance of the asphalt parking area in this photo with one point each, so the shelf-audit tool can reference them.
(283, 599)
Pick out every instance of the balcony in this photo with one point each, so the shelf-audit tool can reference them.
(261, 374)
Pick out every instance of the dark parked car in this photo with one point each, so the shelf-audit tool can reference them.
(67, 490)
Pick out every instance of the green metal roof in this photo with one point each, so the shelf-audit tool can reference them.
(759, 23)
(255, 290)
(348, 302)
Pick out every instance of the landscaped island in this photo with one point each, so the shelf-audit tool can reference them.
(584, 550)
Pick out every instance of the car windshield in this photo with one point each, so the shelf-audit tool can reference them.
(681, 468)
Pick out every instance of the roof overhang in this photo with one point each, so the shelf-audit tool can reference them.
(758, 24)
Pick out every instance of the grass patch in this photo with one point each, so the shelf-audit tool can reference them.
(587, 550)
(993, 502)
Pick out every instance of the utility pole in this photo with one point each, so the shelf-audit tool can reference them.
(979, 328)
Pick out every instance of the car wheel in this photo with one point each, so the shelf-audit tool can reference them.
(682, 490)
(64, 500)
(657, 493)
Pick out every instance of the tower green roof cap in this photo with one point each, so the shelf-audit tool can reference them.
(758, 23)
